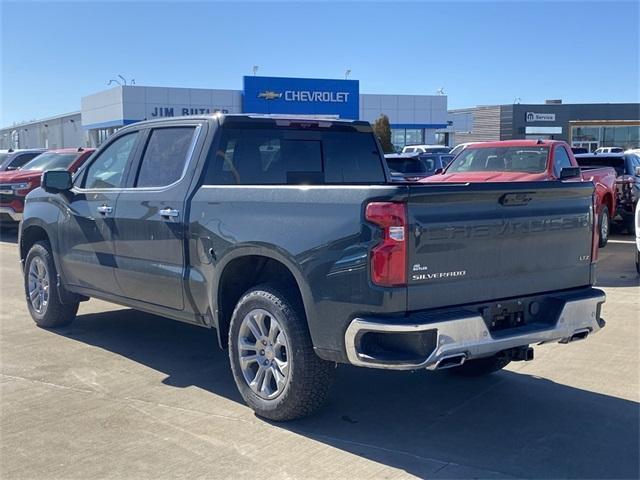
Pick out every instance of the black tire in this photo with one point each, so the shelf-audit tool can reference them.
(52, 313)
(638, 261)
(480, 366)
(604, 226)
(309, 377)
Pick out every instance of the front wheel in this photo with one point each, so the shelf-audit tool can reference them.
(604, 227)
(481, 366)
(41, 289)
(272, 359)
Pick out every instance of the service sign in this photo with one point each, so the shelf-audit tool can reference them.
(303, 96)
(540, 117)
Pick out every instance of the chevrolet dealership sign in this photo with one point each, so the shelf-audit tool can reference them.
(301, 96)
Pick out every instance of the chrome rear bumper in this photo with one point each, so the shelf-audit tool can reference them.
(467, 337)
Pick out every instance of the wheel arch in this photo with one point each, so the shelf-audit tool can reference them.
(607, 200)
(247, 267)
(36, 231)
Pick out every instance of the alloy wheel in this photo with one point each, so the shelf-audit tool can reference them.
(263, 351)
(38, 285)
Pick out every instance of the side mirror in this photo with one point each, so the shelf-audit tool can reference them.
(56, 181)
(570, 172)
(439, 171)
(637, 171)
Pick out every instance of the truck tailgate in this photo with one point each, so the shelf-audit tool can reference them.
(485, 241)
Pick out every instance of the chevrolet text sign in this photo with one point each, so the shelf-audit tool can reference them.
(304, 96)
(540, 117)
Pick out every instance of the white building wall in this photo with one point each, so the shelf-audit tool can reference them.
(146, 103)
(56, 132)
(404, 109)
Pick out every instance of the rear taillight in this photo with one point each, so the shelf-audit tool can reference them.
(389, 257)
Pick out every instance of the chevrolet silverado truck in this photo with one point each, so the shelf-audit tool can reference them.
(16, 184)
(287, 236)
(533, 160)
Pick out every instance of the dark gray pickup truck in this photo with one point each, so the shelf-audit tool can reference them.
(286, 236)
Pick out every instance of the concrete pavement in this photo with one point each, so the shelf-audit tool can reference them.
(123, 394)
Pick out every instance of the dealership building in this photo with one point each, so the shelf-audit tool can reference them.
(414, 118)
(581, 125)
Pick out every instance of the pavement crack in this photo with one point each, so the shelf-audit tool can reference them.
(49, 384)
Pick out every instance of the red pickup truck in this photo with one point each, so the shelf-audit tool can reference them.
(16, 184)
(530, 161)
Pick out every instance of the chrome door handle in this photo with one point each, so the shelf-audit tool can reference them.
(104, 209)
(169, 212)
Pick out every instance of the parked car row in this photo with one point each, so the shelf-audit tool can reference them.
(524, 161)
(411, 167)
(22, 173)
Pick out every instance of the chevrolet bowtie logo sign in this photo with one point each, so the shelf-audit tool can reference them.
(269, 95)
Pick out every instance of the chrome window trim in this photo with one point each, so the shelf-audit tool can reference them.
(192, 146)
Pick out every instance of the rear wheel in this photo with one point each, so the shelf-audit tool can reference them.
(604, 226)
(481, 366)
(272, 359)
(638, 261)
(41, 289)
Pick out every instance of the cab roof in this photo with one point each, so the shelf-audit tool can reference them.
(248, 117)
(518, 143)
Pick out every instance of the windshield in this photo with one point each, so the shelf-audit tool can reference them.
(411, 166)
(501, 159)
(50, 161)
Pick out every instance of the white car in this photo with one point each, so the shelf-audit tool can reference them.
(426, 149)
(609, 150)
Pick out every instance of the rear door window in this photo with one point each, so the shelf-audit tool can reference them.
(560, 161)
(165, 156)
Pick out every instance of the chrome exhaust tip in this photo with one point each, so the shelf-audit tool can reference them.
(451, 361)
(579, 334)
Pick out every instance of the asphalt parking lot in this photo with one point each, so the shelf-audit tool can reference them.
(123, 394)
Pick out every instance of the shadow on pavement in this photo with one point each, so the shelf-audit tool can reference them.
(616, 263)
(8, 234)
(510, 423)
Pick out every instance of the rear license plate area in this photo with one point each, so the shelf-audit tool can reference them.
(504, 316)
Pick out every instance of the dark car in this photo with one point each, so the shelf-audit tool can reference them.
(411, 167)
(14, 159)
(286, 236)
(627, 167)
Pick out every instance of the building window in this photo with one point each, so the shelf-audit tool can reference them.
(406, 136)
(625, 136)
(397, 138)
(414, 136)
